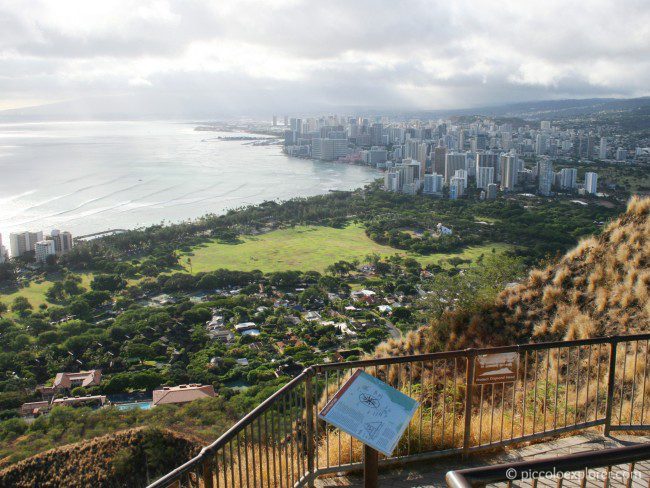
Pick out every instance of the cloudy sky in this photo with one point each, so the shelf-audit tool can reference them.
(255, 57)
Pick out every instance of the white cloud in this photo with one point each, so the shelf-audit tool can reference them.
(305, 54)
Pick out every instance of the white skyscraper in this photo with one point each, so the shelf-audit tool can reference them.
(453, 162)
(591, 182)
(602, 149)
(568, 178)
(456, 188)
(433, 184)
(23, 242)
(462, 175)
(43, 249)
(484, 176)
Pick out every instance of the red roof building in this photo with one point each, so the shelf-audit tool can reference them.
(182, 394)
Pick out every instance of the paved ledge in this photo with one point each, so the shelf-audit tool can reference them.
(431, 474)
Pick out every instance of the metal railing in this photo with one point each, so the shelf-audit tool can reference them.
(558, 387)
(622, 465)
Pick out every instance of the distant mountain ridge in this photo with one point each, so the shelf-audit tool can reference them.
(123, 108)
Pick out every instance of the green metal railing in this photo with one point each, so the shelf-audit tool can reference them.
(558, 387)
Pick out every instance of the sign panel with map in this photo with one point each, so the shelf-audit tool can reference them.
(496, 368)
(371, 411)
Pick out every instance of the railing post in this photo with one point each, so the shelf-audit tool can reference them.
(611, 380)
(207, 475)
(309, 405)
(469, 381)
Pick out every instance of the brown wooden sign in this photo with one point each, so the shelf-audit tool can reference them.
(496, 368)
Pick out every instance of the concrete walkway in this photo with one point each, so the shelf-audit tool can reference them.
(432, 473)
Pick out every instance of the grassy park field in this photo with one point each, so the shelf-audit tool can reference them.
(35, 290)
(304, 248)
(301, 248)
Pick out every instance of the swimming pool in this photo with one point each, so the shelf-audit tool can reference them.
(133, 406)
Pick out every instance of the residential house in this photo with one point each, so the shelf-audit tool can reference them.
(175, 395)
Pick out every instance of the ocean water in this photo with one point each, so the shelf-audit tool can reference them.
(87, 177)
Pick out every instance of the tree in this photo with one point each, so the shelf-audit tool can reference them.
(3, 308)
(21, 305)
(108, 282)
(79, 391)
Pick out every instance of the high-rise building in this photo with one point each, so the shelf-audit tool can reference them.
(488, 159)
(546, 176)
(456, 188)
(411, 147)
(328, 149)
(3, 252)
(491, 191)
(462, 175)
(439, 154)
(422, 154)
(275, 121)
(509, 169)
(621, 154)
(24, 242)
(296, 125)
(286, 120)
(43, 249)
(591, 182)
(433, 184)
(62, 241)
(568, 178)
(541, 144)
(392, 180)
(545, 125)
(602, 148)
(376, 131)
(484, 176)
(453, 162)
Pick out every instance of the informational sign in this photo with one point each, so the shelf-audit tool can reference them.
(371, 411)
(496, 368)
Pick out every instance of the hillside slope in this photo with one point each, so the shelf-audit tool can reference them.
(122, 459)
(601, 287)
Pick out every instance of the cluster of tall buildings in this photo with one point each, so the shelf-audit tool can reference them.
(428, 156)
(22, 243)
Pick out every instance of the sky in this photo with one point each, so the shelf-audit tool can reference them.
(256, 57)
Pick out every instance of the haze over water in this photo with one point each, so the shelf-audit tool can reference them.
(92, 176)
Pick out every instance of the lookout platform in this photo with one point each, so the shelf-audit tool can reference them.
(431, 474)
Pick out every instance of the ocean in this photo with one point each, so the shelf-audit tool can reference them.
(88, 177)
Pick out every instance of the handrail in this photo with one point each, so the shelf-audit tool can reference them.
(530, 346)
(229, 434)
(207, 454)
(478, 477)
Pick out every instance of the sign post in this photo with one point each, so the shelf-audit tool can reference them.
(372, 412)
(370, 467)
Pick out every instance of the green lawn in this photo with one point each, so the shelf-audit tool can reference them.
(304, 248)
(35, 292)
